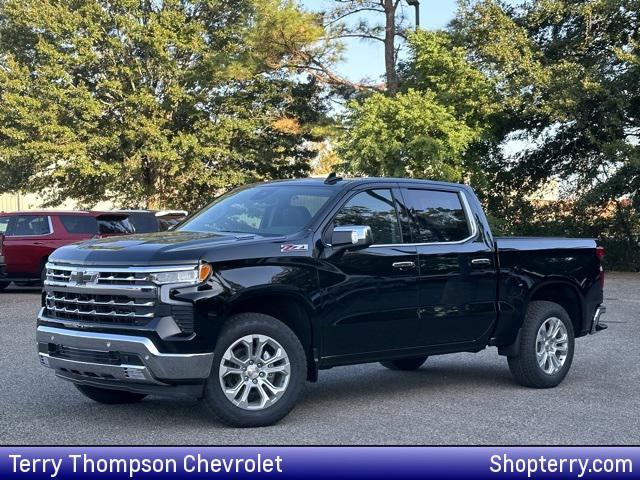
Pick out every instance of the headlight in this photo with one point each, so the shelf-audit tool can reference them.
(192, 276)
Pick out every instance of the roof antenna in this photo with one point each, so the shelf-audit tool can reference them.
(332, 179)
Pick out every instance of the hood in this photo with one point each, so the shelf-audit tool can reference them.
(175, 247)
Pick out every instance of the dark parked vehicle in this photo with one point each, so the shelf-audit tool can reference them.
(149, 221)
(271, 283)
(28, 238)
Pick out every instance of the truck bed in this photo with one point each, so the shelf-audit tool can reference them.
(542, 243)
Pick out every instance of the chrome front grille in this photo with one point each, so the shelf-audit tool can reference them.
(99, 308)
(111, 297)
(103, 295)
(62, 275)
(56, 275)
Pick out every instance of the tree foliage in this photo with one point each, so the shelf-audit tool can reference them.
(410, 134)
(153, 103)
(443, 107)
(568, 73)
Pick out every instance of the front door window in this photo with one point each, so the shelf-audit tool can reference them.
(373, 208)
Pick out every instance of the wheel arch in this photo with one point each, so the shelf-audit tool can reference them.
(566, 294)
(290, 308)
(557, 290)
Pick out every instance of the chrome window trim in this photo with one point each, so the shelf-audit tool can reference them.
(32, 236)
(471, 223)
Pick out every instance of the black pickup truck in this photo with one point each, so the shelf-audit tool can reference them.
(271, 283)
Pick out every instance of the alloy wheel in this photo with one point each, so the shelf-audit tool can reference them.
(552, 345)
(254, 372)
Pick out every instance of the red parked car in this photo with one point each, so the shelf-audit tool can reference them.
(28, 238)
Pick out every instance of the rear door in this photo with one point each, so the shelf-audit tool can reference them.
(458, 277)
(371, 294)
(28, 240)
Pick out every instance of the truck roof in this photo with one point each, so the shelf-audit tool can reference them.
(89, 213)
(350, 181)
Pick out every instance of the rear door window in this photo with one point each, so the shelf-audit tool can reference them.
(79, 224)
(436, 216)
(29, 226)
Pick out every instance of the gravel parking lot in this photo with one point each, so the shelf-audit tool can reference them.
(453, 399)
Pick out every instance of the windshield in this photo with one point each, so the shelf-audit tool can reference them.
(263, 210)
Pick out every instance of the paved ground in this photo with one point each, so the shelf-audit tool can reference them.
(454, 399)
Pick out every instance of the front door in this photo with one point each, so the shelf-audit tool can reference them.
(370, 294)
(458, 275)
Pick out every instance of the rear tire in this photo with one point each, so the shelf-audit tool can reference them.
(111, 397)
(405, 364)
(258, 390)
(546, 346)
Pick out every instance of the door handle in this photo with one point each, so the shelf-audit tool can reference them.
(402, 265)
(481, 261)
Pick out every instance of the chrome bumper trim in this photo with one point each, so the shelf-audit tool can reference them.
(122, 373)
(158, 367)
(596, 319)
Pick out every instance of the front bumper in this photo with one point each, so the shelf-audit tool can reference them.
(596, 324)
(117, 359)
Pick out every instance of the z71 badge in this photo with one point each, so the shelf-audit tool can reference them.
(290, 248)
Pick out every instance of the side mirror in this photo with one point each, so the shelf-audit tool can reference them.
(351, 237)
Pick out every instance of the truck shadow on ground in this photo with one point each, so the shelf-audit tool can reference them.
(376, 382)
(21, 290)
(361, 385)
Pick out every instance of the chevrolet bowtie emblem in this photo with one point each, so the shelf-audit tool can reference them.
(82, 278)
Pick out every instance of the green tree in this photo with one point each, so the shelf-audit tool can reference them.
(153, 103)
(443, 108)
(568, 73)
(410, 134)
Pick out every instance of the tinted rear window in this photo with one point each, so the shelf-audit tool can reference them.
(115, 225)
(143, 222)
(79, 224)
(30, 225)
(436, 216)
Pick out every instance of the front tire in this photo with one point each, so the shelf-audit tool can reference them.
(110, 397)
(259, 369)
(405, 364)
(546, 346)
